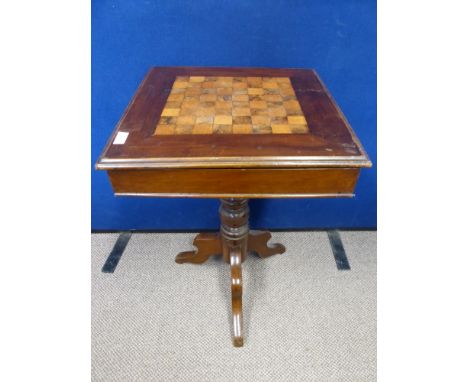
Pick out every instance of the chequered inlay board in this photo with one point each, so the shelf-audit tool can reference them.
(232, 105)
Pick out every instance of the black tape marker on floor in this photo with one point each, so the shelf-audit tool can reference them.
(116, 254)
(338, 250)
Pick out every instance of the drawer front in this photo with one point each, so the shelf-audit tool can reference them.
(246, 183)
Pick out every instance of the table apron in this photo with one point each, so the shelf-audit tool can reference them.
(241, 183)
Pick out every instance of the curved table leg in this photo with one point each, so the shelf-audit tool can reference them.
(234, 214)
(236, 295)
(208, 244)
(258, 242)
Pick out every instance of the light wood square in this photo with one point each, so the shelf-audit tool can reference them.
(208, 91)
(180, 84)
(273, 98)
(205, 111)
(261, 120)
(239, 85)
(240, 111)
(191, 102)
(187, 111)
(292, 104)
(221, 104)
(239, 91)
(184, 129)
(278, 111)
(165, 130)
(224, 91)
(223, 120)
(270, 84)
(242, 129)
(208, 97)
(298, 129)
(258, 105)
(167, 112)
(193, 91)
(185, 120)
(205, 120)
(240, 104)
(255, 91)
(203, 128)
(254, 82)
(240, 97)
(177, 91)
(287, 92)
(197, 79)
(173, 105)
(178, 97)
(282, 80)
(207, 104)
(225, 112)
(297, 120)
(208, 85)
(280, 129)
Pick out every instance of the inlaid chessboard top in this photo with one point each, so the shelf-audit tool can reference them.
(205, 117)
(231, 105)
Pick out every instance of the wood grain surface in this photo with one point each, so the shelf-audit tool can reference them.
(241, 183)
(329, 142)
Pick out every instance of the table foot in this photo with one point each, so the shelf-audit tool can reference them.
(208, 244)
(258, 242)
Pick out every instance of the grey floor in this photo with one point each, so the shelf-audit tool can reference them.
(155, 320)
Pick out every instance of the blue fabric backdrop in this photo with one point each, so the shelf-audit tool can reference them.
(337, 38)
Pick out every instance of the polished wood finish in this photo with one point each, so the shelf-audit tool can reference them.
(298, 145)
(234, 215)
(235, 182)
(330, 141)
(233, 242)
(258, 243)
(208, 244)
(235, 259)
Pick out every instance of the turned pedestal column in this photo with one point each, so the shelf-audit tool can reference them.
(233, 242)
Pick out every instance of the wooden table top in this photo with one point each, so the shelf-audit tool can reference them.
(193, 117)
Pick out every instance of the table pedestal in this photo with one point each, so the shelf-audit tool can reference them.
(233, 242)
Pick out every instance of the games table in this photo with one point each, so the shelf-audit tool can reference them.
(233, 134)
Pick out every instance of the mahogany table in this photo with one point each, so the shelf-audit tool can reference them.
(234, 134)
